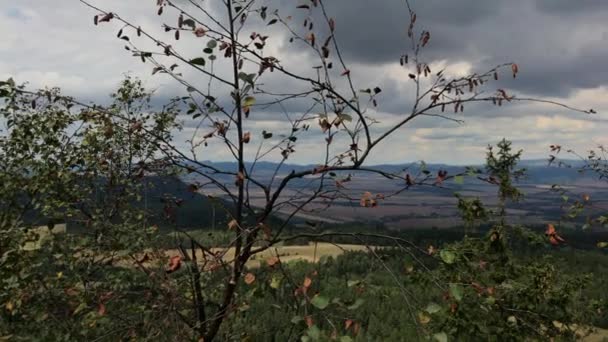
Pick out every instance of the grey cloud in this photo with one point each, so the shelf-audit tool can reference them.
(568, 7)
(559, 53)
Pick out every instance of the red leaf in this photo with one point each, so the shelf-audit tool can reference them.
(551, 233)
(249, 278)
(348, 323)
(200, 32)
(309, 321)
(273, 261)
(174, 263)
(515, 69)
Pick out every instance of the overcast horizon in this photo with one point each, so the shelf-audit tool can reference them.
(561, 48)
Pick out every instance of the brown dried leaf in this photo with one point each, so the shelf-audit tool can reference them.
(247, 137)
(233, 225)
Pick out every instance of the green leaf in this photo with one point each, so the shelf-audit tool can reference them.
(352, 283)
(198, 61)
(314, 332)
(440, 337)
(346, 338)
(189, 22)
(275, 283)
(456, 291)
(319, 302)
(459, 180)
(212, 44)
(433, 308)
(356, 304)
(447, 256)
(423, 318)
(296, 319)
(602, 244)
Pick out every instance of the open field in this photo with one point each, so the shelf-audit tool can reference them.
(311, 252)
(599, 335)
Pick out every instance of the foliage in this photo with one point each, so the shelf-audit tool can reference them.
(82, 163)
(63, 160)
(493, 294)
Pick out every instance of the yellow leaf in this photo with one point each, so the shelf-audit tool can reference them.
(423, 318)
(248, 101)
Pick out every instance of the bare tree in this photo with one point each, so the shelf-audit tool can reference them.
(233, 80)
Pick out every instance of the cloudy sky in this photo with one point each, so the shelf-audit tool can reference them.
(561, 47)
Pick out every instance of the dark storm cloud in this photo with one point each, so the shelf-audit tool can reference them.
(558, 51)
(569, 7)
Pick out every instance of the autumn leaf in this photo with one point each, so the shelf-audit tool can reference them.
(174, 263)
(240, 179)
(200, 32)
(551, 233)
(307, 282)
(273, 261)
(441, 176)
(368, 200)
(232, 225)
(101, 309)
(249, 278)
(515, 69)
(332, 24)
(309, 321)
(311, 38)
(425, 38)
(247, 137)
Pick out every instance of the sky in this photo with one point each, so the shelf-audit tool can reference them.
(560, 46)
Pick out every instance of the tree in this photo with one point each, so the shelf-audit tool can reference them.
(63, 161)
(239, 70)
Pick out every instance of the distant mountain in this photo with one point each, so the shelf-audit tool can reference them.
(169, 202)
(538, 170)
